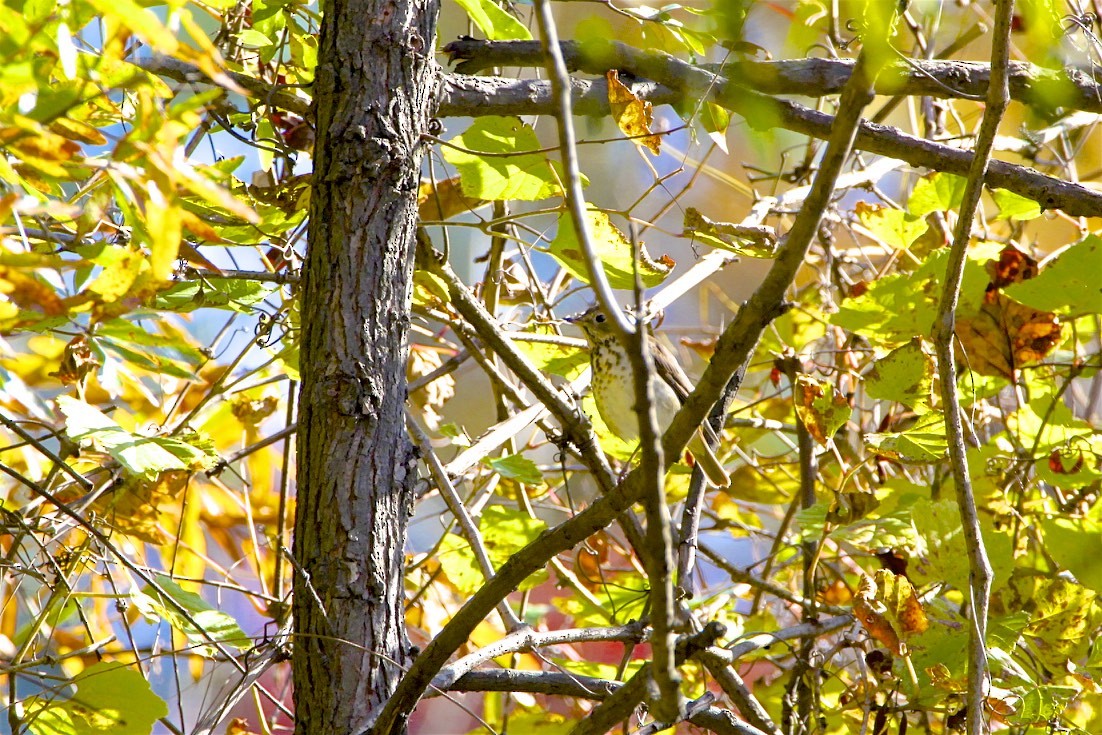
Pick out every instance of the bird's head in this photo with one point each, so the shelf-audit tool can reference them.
(593, 322)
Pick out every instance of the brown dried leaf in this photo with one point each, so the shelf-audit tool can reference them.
(902, 603)
(941, 679)
(851, 506)
(889, 610)
(29, 293)
(134, 508)
(1005, 335)
(251, 411)
(1013, 266)
(703, 347)
(77, 361)
(871, 613)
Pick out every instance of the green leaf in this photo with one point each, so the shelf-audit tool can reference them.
(942, 555)
(893, 310)
(1076, 543)
(1015, 206)
(1039, 705)
(1048, 423)
(1063, 616)
(922, 443)
(505, 532)
(125, 331)
(716, 120)
(520, 174)
(213, 624)
(1069, 285)
(149, 361)
(940, 644)
(623, 594)
(613, 250)
(429, 289)
(252, 38)
(566, 361)
(234, 294)
(517, 467)
(492, 20)
(541, 722)
(938, 192)
(142, 456)
(893, 227)
(109, 698)
(459, 564)
(125, 339)
(1004, 631)
(121, 267)
(906, 375)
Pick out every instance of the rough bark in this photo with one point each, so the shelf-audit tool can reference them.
(374, 90)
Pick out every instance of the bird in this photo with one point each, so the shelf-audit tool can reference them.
(614, 389)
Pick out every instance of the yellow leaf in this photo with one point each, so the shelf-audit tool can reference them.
(631, 114)
(141, 22)
(27, 292)
(121, 266)
(165, 226)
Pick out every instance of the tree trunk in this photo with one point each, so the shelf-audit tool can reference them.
(374, 94)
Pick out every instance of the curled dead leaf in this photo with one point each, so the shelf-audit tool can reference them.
(78, 360)
(632, 115)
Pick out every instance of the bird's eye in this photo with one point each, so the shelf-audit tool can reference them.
(600, 318)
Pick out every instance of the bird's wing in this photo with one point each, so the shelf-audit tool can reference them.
(670, 371)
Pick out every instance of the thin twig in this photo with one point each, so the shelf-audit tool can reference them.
(470, 531)
(980, 576)
(575, 199)
(528, 639)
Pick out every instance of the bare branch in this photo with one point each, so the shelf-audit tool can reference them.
(998, 98)
(527, 640)
(945, 79)
(273, 96)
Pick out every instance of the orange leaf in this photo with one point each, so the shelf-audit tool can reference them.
(876, 624)
(1013, 266)
(1005, 335)
(29, 293)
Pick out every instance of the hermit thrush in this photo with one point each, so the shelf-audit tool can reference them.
(614, 389)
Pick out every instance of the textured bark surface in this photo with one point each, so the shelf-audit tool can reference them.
(374, 92)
